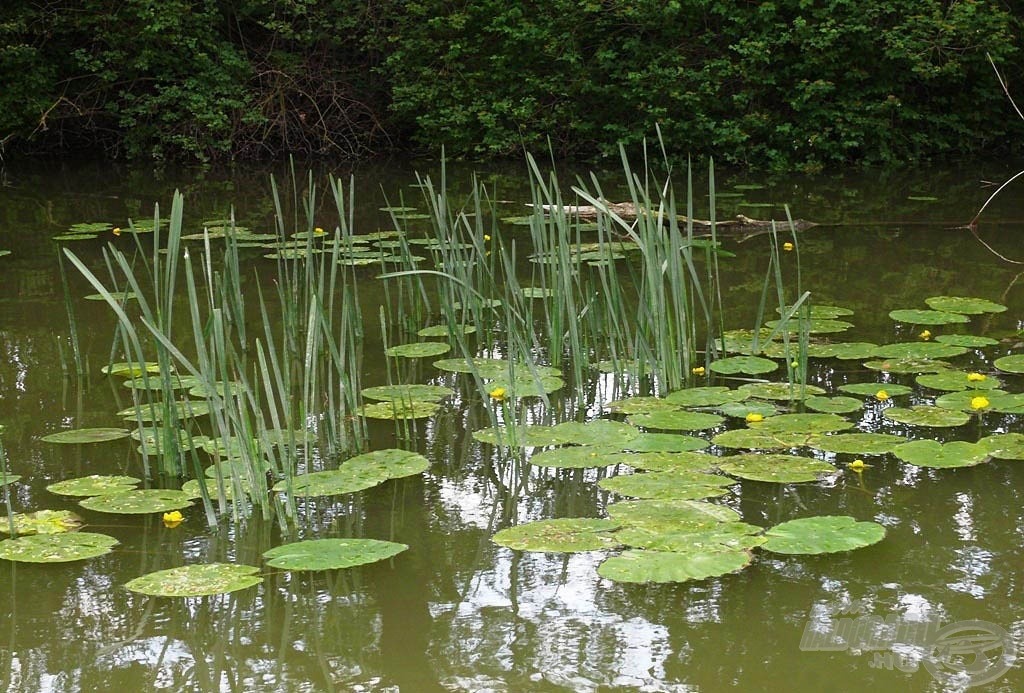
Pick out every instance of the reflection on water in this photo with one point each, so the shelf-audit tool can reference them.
(456, 612)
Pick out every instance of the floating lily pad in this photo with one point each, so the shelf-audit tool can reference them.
(858, 443)
(664, 442)
(780, 391)
(907, 365)
(1010, 364)
(642, 405)
(119, 296)
(750, 439)
(802, 423)
(90, 227)
(360, 472)
(331, 554)
(575, 456)
(751, 365)
(196, 580)
(495, 368)
(967, 400)
(960, 304)
(87, 435)
(814, 325)
(918, 350)
(951, 380)
(835, 405)
(182, 409)
(138, 502)
(722, 536)
(419, 349)
(924, 415)
(597, 432)
(848, 351)
(399, 410)
(966, 340)
(782, 469)
(822, 312)
(527, 435)
(661, 516)
(740, 410)
(131, 370)
(525, 385)
(94, 485)
(667, 485)
(705, 396)
(230, 388)
(665, 566)
(1004, 446)
(927, 317)
(677, 420)
(75, 237)
(823, 534)
(562, 535)
(871, 389)
(685, 461)
(931, 453)
(443, 330)
(156, 382)
(56, 548)
(192, 488)
(233, 447)
(405, 393)
(42, 522)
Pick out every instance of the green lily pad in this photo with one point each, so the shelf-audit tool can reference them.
(42, 522)
(56, 548)
(750, 439)
(780, 391)
(966, 340)
(927, 317)
(196, 580)
(705, 396)
(685, 461)
(192, 488)
(960, 304)
(526, 435)
(90, 227)
(230, 388)
(662, 516)
(836, 405)
(740, 410)
(417, 350)
(664, 442)
(357, 473)
(562, 535)
(119, 296)
(398, 410)
(94, 485)
(931, 453)
(138, 502)
(858, 443)
(722, 536)
(405, 393)
(156, 382)
(907, 365)
(575, 456)
(1010, 364)
(924, 415)
(443, 330)
(182, 409)
(822, 312)
(918, 350)
(814, 325)
(951, 380)
(233, 468)
(233, 447)
(750, 365)
(131, 370)
(665, 566)
(75, 237)
(331, 554)
(845, 351)
(597, 432)
(871, 389)
(823, 534)
(87, 435)
(802, 423)
(1004, 446)
(667, 485)
(642, 405)
(782, 469)
(525, 385)
(677, 420)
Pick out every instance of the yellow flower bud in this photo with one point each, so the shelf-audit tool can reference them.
(794, 364)
(787, 246)
(975, 377)
(754, 417)
(926, 335)
(486, 238)
(498, 394)
(858, 466)
(116, 231)
(698, 370)
(979, 402)
(173, 519)
(881, 395)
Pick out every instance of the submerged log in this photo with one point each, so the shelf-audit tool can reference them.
(627, 211)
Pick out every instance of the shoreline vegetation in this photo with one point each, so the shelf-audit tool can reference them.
(765, 85)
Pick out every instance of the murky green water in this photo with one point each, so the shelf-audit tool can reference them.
(456, 612)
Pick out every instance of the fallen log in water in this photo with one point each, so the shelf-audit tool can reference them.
(627, 211)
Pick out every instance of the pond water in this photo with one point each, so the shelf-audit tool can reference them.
(455, 611)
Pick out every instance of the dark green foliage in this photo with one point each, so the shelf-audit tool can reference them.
(780, 84)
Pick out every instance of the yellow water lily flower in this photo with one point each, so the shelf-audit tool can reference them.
(318, 231)
(881, 395)
(754, 417)
(979, 402)
(173, 519)
(486, 238)
(787, 246)
(976, 377)
(698, 370)
(925, 335)
(116, 231)
(498, 394)
(858, 466)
